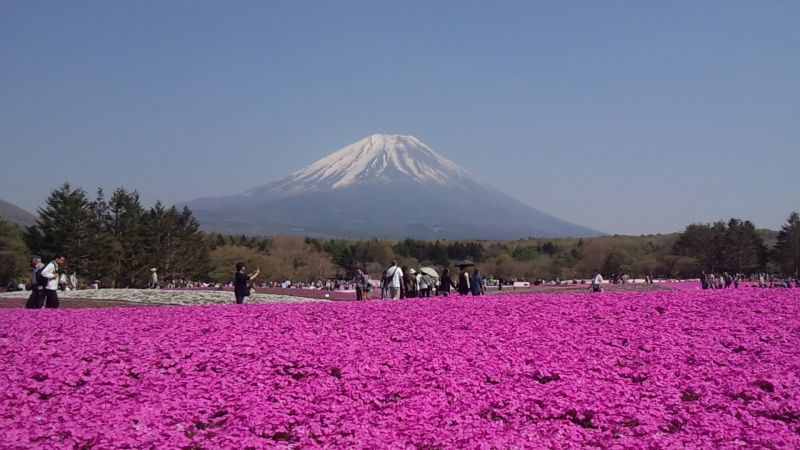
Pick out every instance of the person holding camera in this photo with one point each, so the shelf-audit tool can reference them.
(241, 282)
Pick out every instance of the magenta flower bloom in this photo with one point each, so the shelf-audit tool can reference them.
(672, 369)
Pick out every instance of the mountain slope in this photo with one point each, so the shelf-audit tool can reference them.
(16, 215)
(381, 186)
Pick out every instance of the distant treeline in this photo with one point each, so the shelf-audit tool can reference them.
(117, 241)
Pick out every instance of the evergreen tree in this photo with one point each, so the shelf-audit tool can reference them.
(787, 248)
(124, 221)
(173, 243)
(14, 261)
(104, 258)
(65, 225)
(703, 243)
(744, 250)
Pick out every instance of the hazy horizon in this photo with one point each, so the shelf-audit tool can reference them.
(624, 117)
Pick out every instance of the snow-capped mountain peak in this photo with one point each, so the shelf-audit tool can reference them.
(381, 186)
(377, 158)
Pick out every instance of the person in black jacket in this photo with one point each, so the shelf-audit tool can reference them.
(36, 299)
(241, 281)
(445, 283)
(463, 282)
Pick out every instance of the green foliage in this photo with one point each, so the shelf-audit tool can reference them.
(117, 241)
(14, 255)
(735, 247)
(223, 259)
(525, 253)
(787, 247)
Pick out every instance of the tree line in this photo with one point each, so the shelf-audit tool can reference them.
(116, 241)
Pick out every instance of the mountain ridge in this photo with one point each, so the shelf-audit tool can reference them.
(15, 215)
(378, 187)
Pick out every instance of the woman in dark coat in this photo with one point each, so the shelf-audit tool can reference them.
(463, 282)
(477, 283)
(445, 283)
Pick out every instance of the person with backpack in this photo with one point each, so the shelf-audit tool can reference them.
(394, 277)
(36, 298)
(49, 278)
(241, 282)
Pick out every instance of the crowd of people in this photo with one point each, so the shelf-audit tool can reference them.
(395, 283)
(406, 282)
(726, 280)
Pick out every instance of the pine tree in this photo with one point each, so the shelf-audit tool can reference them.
(13, 254)
(787, 248)
(105, 262)
(125, 224)
(744, 250)
(64, 226)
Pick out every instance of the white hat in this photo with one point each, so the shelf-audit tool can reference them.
(153, 269)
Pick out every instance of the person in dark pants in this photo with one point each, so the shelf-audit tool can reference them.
(50, 273)
(241, 281)
(445, 283)
(362, 285)
(463, 282)
(476, 284)
(36, 299)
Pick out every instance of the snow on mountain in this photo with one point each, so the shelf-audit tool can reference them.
(381, 186)
(377, 158)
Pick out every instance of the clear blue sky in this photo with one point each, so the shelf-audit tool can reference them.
(626, 116)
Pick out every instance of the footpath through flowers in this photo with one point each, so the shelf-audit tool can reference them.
(716, 369)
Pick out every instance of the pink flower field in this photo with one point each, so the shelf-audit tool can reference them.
(712, 369)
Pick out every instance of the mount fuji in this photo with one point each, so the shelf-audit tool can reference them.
(386, 186)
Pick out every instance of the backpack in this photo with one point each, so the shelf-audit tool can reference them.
(40, 279)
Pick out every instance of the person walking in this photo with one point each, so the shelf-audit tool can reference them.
(394, 277)
(445, 283)
(597, 282)
(362, 285)
(36, 299)
(153, 284)
(241, 282)
(476, 284)
(463, 282)
(424, 284)
(50, 273)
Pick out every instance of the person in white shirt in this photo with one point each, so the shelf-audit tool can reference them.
(394, 276)
(153, 284)
(50, 272)
(597, 282)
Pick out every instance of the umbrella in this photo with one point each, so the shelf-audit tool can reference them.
(429, 271)
(465, 263)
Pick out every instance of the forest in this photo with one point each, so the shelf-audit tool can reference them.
(116, 241)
